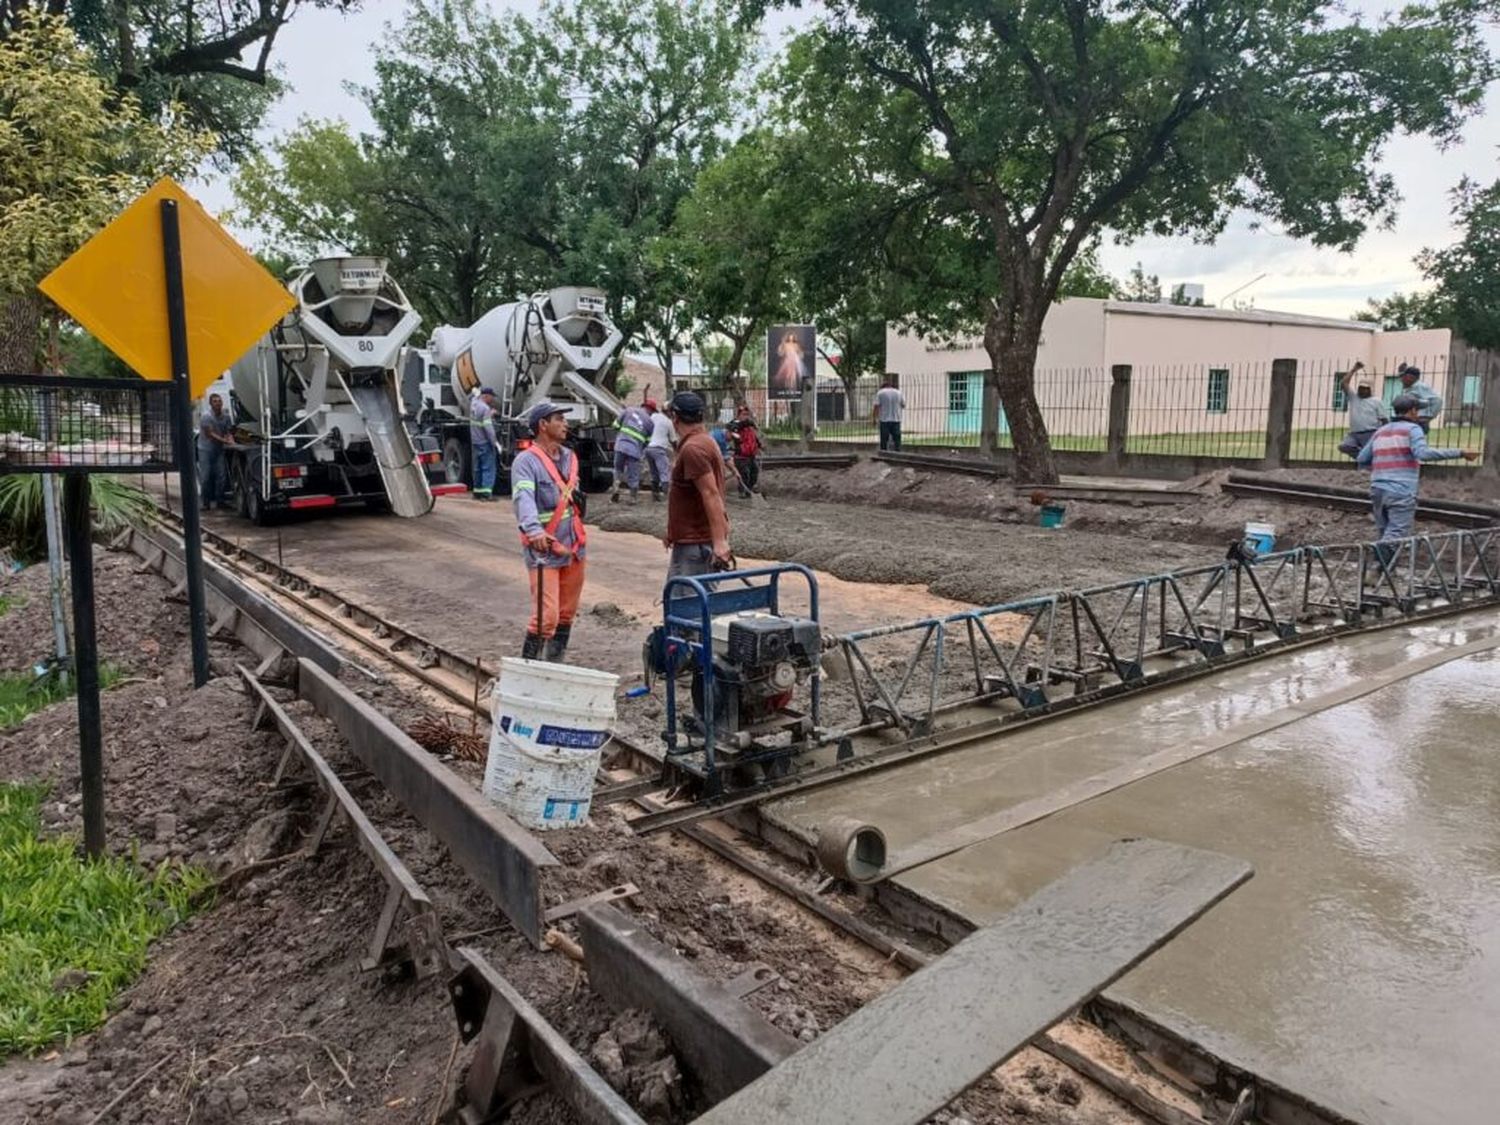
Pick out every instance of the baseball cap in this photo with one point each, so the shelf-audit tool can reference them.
(486, 390)
(650, 404)
(1403, 403)
(540, 411)
(687, 405)
(1414, 372)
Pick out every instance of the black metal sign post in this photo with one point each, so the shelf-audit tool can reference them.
(85, 658)
(183, 439)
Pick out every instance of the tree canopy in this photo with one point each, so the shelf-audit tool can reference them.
(72, 154)
(204, 62)
(1006, 135)
(511, 155)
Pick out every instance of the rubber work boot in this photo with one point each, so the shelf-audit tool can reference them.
(557, 644)
(532, 648)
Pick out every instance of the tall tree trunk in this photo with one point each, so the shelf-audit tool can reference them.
(20, 333)
(1012, 336)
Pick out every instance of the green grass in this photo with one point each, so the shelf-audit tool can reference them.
(22, 693)
(7, 604)
(60, 912)
(1307, 444)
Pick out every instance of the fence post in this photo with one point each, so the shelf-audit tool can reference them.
(1279, 415)
(1490, 420)
(1119, 413)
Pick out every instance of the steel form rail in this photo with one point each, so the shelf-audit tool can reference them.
(1074, 648)
(1132, 632)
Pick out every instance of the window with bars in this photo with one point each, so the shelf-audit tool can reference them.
(1218, 390)
(1340, 397)
(958, 392)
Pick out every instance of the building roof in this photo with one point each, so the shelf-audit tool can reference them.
(1251, 316)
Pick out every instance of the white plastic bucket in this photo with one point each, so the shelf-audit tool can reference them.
(1260, 537)
(551, 722)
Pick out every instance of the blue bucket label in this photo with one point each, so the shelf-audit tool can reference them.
(571, 737)
(559, 808)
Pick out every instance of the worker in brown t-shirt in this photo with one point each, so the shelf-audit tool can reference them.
(697, 524)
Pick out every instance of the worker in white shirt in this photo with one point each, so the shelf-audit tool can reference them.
(659, 449)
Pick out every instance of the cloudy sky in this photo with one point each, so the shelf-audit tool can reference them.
(322, 52)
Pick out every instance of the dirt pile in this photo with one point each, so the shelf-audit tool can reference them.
(133, 624)
(979, 557)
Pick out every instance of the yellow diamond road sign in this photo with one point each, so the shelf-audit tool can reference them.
(115, 286)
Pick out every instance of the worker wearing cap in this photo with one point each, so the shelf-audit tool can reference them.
(482, 442)
(545, 494)
(1394, 456)
(1429, 402)
(634, 426)
(659, 449)
(697, 523)
(1367, 411)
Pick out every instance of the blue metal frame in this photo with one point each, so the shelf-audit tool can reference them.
(687, 624)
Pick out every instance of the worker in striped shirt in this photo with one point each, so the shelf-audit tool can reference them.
(1394, 457)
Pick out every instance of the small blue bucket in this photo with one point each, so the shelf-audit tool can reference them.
(1260, 538)
(1052, 515)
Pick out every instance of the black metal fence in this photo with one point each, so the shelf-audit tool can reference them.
(1320, 411)
(1282, 410)
(56, 423)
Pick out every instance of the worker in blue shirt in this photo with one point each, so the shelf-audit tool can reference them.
(1394, 456)
(1429, 402)
(482, 442)
(634, 428)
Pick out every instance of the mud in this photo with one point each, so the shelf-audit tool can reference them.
(256, 1011)
(130, 631)
(1197, 529)
(866, 526)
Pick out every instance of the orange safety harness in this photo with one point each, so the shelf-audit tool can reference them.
(566, 507)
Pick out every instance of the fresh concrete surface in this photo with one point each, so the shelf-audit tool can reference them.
(1361, 967)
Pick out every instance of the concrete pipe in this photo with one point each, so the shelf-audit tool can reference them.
(851, 850)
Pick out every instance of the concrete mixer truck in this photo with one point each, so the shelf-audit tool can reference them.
(319, 404)
(554, 345)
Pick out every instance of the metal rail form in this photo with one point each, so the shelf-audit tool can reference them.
(1045, 651)
(428, 952)
(1037, 657)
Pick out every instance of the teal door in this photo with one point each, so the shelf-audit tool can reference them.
(966, 403)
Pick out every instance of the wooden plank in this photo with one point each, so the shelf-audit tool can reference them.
(495, 851)
(914, 1049)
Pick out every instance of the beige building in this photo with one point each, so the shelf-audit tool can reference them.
(1193, 369)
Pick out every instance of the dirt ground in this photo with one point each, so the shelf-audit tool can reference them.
(256, 1010)
(956, 535)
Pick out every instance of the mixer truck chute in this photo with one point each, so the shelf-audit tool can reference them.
(319, 401)
(555, 345)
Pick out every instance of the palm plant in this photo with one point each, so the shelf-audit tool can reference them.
(116, 504)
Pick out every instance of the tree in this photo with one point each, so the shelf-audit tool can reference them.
(72, 155)
(731, 246)
(206, 63)
(1403, 312)
(1017, 132)
(1140, 286)
(1467, 274)
(511, 155)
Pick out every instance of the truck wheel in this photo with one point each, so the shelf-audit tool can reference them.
(456, 460)
(256, 509)
(242, 488)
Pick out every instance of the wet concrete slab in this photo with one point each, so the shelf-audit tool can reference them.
(1361, 967)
